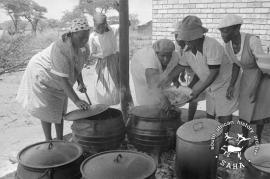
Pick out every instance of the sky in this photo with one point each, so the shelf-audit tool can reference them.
(56, 8)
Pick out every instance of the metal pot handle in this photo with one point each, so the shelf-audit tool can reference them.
(118, 158)
(198, 126)
(50, 146)
(48, 172)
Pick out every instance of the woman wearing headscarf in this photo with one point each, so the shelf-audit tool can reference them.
(211, 68)
(48, 80)
(103, 47)
(149, 66)
(243, 49)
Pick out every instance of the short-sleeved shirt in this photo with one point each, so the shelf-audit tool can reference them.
(182, 55)
(61, 60)
(103, 45)
(143, 59)
(213, 54)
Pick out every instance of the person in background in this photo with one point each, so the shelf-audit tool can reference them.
(210, 65)
(149, 66)
(104, 48)
(49, 77)
(243, 50)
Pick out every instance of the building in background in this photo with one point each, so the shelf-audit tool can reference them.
(256, 15)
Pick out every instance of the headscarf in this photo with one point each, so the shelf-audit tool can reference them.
(230, 20)
(100, 18)
(164, 45)
(191, 28)
(78, 25)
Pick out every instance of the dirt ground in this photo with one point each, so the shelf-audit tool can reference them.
(18, 129)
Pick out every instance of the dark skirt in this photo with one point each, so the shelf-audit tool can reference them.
(108, 80)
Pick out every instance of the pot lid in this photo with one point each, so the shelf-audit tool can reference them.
(81, 114)
(259, 156)
(199, 130)
(49, 154)
(118, 164)
(153, 111)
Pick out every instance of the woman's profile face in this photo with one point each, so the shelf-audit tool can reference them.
(80, 38)
(101, 28)
(180, 42)
(227, 33)
(164, 57)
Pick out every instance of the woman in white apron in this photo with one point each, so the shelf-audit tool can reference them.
(243, 49)
(103, 47)
(50, 75)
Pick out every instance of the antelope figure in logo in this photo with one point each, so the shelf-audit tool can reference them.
(241, 138)
(227, 137)
(228, 149)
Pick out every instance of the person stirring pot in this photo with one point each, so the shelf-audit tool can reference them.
(49, 77)
(149, 66)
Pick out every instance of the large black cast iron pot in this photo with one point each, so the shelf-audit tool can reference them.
(119, 164)
(149, 128)
(50, 160)
(100, 132)
(257, 162)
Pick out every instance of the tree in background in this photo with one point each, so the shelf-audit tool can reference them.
(28, 9)
(48, 24)
(9, 26)
(90, 6)
(134, 20)
(13, 9)
(70, 15)
(33, 12)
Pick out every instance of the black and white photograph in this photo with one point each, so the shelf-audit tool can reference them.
(134, 89)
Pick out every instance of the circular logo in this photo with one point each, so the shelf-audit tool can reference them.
(235, 143)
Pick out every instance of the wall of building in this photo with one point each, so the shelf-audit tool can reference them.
(256, 15)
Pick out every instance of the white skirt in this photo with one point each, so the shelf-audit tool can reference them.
(37, 96)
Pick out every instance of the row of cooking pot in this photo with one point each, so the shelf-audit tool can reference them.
(95, 132)
(147, 129)
(65, 160)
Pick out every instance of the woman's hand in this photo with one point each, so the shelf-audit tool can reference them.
(165, 104)
(182, 76)
(230, 91)
(176, 84)
(81, 104)
(82, 87)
